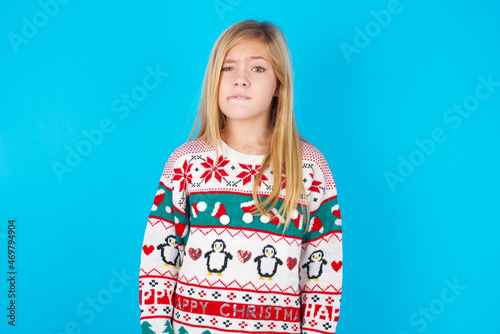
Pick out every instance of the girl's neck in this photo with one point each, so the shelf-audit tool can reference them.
(255, 143)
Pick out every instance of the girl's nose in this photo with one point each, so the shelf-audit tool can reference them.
(241, 79)
(240, 82)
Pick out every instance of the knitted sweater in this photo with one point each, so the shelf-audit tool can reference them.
(208, 266)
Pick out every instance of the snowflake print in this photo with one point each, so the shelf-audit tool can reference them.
(183, 175)
(214, 170)
(248, 174)
(315, 185)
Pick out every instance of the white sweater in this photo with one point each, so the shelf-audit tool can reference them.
(209, 266)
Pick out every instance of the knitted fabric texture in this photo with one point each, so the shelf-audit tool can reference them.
(208, 266)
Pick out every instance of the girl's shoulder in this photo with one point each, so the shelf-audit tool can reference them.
(183, 153)
(314, 160)
(195, 146)
(311, 153)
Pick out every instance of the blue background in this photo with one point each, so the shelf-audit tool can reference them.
(405, 241)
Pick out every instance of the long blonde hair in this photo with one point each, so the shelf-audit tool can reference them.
(284, 152)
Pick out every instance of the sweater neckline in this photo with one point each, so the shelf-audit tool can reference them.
(240, 156)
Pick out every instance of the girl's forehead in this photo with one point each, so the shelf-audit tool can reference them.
(248, 48)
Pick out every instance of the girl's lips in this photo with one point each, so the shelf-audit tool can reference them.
(238, 97)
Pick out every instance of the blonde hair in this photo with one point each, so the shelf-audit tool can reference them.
(284, 152)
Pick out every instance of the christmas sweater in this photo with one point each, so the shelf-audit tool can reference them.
(208, 266)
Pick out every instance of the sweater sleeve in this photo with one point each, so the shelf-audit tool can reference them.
(162, 250)
(321, 256)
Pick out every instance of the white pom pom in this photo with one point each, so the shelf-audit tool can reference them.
(202, 206)
(247, 217)
(224, 220)
(168, 209)
(154, 208)
(295, 214)
(265, 219)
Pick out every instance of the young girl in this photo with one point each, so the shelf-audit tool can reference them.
(245, 232)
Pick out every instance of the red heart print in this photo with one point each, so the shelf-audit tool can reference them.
(194, 253)
(291, 262)
(243, 256)
(336, 265)
(148, 249)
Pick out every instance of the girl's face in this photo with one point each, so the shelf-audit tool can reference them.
(247, 72)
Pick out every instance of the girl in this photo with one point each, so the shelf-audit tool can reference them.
(245, 232)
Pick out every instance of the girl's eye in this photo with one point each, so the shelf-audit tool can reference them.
(261, 69)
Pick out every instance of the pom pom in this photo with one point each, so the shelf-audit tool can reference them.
(224, 220)
(247, 217)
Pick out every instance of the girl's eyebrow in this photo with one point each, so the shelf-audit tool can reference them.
(228, 61)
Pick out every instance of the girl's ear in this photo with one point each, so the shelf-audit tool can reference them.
(277, 90)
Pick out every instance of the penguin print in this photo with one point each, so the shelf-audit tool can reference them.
(169, 251)
(217, 258)
(315, 265)
(267, 263)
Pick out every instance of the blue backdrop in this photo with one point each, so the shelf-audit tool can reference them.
(402, 97)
